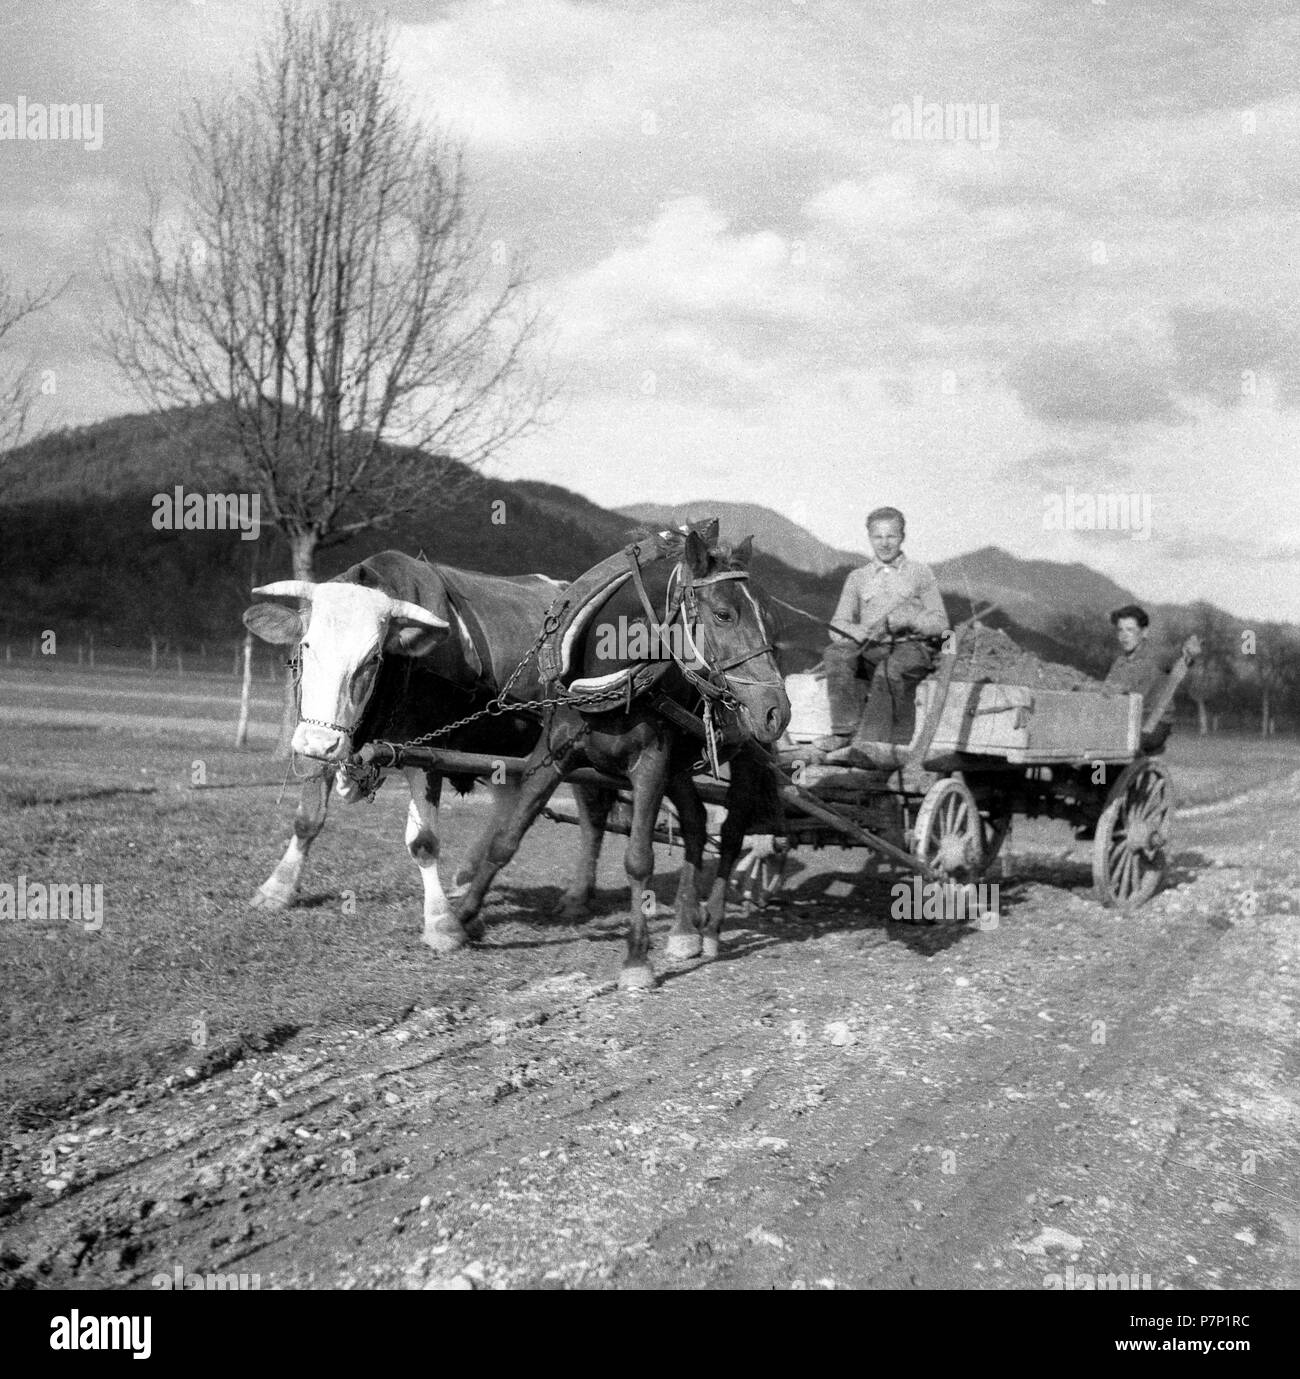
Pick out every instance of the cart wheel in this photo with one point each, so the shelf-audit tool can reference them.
(948, 834)
(1130, 853)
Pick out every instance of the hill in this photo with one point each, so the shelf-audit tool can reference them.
(773, 533)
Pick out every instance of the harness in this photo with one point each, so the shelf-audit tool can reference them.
(682, 600)
(294, 663)
(708, 678)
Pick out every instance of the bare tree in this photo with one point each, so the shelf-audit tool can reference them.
(1276, 669)
(16, 385)
(1214, 676)
(330, 291)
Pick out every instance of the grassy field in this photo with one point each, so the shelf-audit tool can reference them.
(184, 972)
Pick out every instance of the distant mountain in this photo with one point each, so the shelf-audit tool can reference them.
(773, 533)
(1035, 593)
(78, 551)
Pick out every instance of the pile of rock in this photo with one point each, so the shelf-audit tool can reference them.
(987, 653)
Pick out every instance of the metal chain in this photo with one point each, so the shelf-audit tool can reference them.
(584, 702)
(556, 755)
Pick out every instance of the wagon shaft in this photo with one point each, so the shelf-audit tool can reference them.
(798, 798)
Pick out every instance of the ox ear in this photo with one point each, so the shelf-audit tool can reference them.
(274, 623)
(697, 554)
(743, 552)
(411, 639)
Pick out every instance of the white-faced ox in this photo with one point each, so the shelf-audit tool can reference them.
(391, 649)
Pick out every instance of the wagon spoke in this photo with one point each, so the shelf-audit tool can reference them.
(1122, 887)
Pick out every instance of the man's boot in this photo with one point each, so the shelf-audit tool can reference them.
(844, 689)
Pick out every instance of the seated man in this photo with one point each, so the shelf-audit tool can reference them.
(893, 617)
(1139, 669)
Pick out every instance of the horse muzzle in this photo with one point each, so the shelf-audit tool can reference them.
(765, 714)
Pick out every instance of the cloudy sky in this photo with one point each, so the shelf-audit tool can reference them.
(769, 283)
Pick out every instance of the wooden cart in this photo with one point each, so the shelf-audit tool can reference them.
(983, 753)
(993, 752)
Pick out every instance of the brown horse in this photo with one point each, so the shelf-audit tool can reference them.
(718, 663)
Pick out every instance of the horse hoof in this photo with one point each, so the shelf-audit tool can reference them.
(445, 940)
(709, 946)
(683, 946)
(568, 908)
(271, 900)
(636, 979)
(476, 928)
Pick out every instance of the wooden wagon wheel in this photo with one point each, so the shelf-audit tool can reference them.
(949, 834)
(1130, 853)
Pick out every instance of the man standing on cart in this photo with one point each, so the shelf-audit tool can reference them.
(1140, 669)
(893, 620)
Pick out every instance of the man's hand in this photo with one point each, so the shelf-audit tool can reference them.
(903, 618)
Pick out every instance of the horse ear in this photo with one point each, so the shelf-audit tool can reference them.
(697, 554)
(742, 552)
(708, 529)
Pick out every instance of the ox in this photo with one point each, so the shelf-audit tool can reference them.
(394, 648)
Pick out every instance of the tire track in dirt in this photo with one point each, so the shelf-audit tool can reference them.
(546, 1131)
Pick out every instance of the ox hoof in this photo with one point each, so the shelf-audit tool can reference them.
(683, 946)
(445, 939)
(271, 899)
(709, 946)
(636, 979)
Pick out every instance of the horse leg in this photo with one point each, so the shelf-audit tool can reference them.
(730, 845)
(594, 803)
(750, 789)
(684, 937)
(505, 838)
(649, 777)
(504, 799)
(278, 890)
(424, 845)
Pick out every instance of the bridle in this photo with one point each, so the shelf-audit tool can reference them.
(294, 662)
(682, 600)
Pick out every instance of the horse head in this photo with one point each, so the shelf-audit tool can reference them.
(694, 605)
(727, 624)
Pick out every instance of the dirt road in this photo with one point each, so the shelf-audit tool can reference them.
(840, 1101)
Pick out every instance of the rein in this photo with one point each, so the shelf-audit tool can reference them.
(681, 601)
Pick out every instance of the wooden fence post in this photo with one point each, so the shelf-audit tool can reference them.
(245, 692)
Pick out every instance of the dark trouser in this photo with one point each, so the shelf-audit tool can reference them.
(894, 672)
(1153, 743)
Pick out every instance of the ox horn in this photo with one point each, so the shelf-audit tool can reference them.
(412, 612)
(287, 589)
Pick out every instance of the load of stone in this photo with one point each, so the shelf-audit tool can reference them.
(987, 653)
